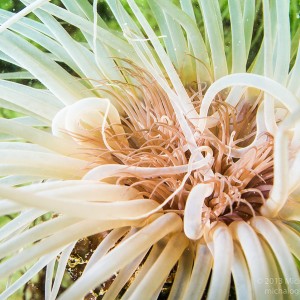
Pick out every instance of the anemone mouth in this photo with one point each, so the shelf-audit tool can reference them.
(149, 137)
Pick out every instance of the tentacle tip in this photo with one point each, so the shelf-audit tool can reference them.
(269, 210)
(193, 234)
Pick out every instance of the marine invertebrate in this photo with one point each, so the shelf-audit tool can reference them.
(171, 164)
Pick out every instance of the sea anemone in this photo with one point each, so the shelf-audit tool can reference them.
(153, 160)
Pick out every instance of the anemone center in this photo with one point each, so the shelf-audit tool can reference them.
(153, 139)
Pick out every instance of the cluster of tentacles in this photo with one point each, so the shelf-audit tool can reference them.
(150, 137)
